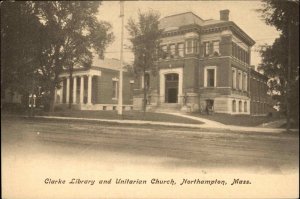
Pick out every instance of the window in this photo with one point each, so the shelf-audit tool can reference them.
(164, 53)
(172, 50)
(189, 46)
(233, 79)
(240, 80)
(216, 48)
(206, 49)
(233, 50)
(247, 57)
(131, 83)
(233, 106)
(240, 106)
(245, 79)
(245, 107)
(180, 50)
(115, 89)
(196, 46)
(210, 76)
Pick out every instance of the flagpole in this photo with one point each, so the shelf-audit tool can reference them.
(120, 101)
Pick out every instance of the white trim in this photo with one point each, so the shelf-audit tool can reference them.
(89, 89)
(191, 35)
(162, 73)
(68, 90)
(74, 90)
(205, 76)
(91, 72)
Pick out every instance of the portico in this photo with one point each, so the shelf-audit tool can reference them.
(81, 90)
(94, 88)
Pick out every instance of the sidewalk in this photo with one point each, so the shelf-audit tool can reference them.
(208, 124)
(217, 125)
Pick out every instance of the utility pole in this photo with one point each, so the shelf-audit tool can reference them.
(288, 84)
(120, 101)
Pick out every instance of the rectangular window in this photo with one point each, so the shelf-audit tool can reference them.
(216, 48)
(240, 81)
(172, 50)
(247, 57)
(245, 83)
(164, 53)
(233, 50)
(189, 46)
(196, 43)
(206, 49)
(180, 50)
(210, 77)
(115, 90)
(233, 79)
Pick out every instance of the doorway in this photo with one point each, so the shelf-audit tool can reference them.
(171, 88)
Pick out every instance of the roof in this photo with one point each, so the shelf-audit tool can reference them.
(174, 22)
(180, 19)
(113, 64)
(212, 22)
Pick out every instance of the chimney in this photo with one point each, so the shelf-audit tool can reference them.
(224, 15)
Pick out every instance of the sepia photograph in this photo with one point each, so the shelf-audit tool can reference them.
(150, 99)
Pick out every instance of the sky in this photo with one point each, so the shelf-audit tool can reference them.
(243, 13)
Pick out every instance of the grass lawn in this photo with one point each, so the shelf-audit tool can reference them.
(127, 115)
(238, 120)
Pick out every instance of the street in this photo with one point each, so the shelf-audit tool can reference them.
(35, 149)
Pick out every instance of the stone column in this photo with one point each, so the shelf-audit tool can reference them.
(74, 89)
(68, 90)
(81, 89)
(89, 98)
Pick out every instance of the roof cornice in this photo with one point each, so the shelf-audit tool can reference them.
(240, 33)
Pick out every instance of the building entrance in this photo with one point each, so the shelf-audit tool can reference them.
(171, 88)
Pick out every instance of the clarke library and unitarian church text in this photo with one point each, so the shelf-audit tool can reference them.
(154, 181)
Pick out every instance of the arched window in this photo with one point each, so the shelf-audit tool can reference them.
(240, 106)
(245, 107)
(233, 106)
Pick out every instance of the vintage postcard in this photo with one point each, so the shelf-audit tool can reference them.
(149, 99)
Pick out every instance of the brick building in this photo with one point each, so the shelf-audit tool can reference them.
(206, 63)
(261, 103)
(96, 88)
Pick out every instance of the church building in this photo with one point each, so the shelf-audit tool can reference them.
(205, 65)
(95, 88)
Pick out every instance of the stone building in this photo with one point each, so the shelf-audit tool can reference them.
(95, 88)
(204, 64)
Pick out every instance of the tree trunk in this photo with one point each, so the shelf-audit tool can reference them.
(145, 95)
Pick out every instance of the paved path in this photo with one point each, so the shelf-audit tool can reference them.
(274, 124)
(218, 125)
(208, 124)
